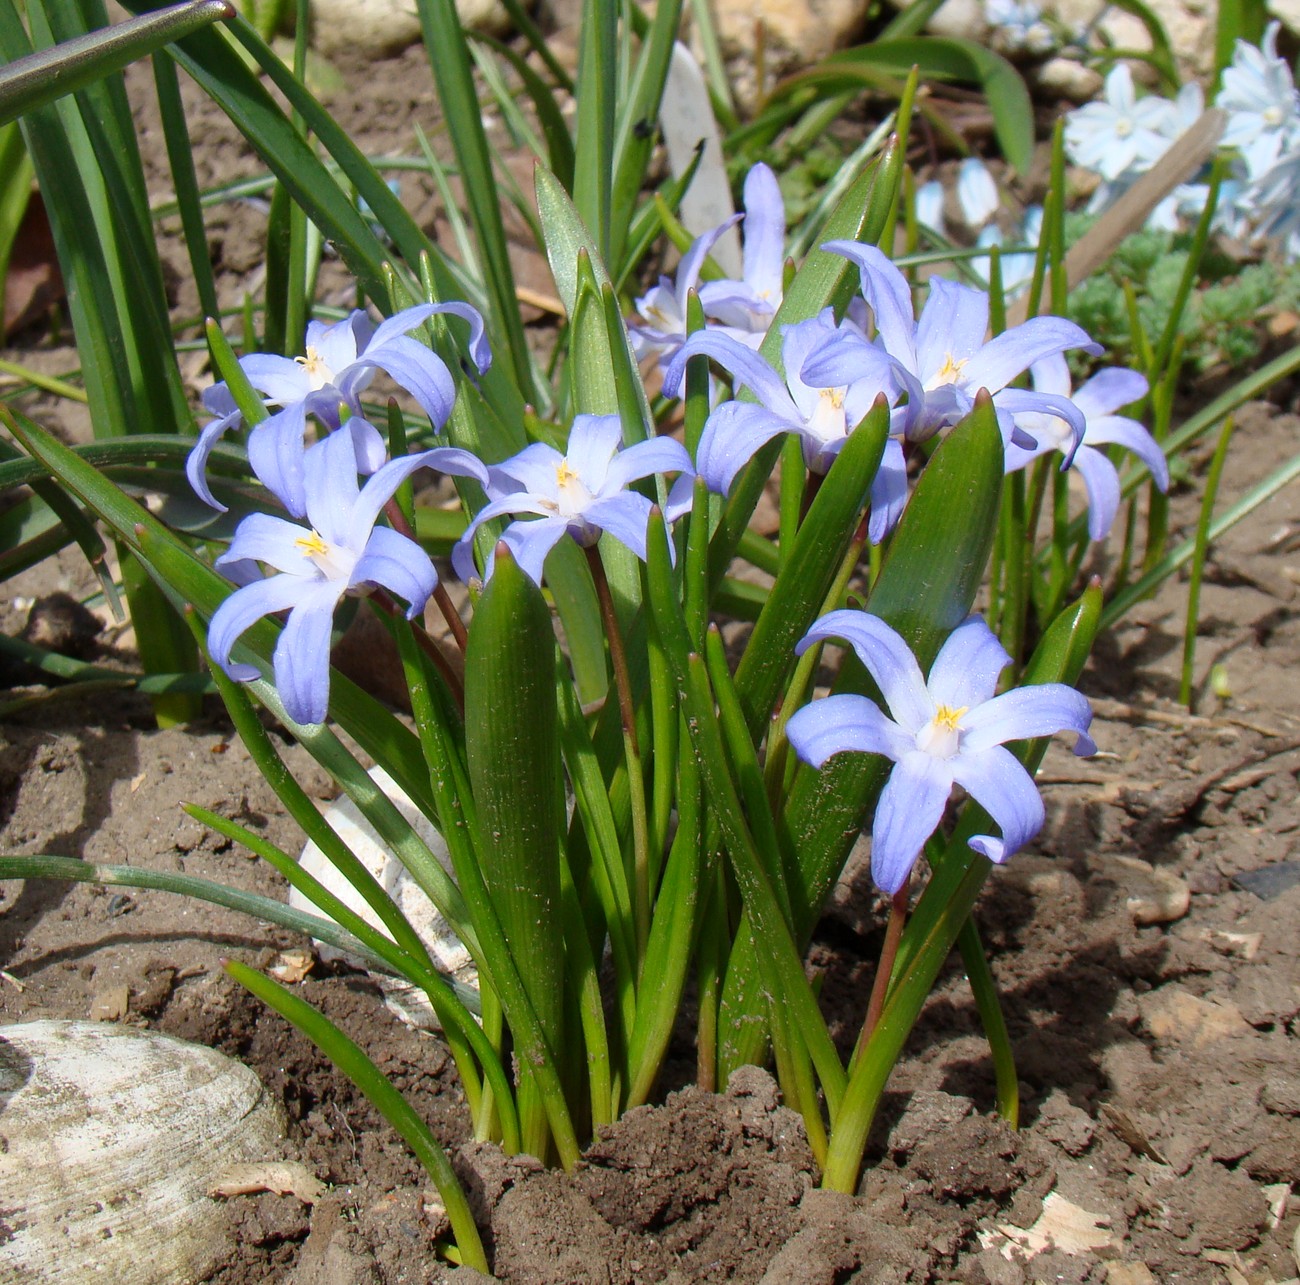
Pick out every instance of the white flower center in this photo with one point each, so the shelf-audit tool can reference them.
(949, 372)
(318, 373)
(572, 495)
(827, 422)
(941, 736)
(1123, 127)
(1272, 116)
(332, 560)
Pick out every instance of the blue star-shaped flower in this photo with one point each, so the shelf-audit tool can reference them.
(949, 729)
(339, 363)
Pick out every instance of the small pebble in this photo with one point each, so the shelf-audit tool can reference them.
(1269, 882)
(1152, 895)
(58, 622)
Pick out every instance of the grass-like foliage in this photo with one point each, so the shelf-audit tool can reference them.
(629, 805)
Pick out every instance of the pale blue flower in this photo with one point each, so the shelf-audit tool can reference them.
(1098, 399)
(1018, 26)
(1263, 107)
(581, 493)
(929, 206)
(977, 193)
(1273, 199)
(949, 730)
(342, 551)
(662, 309)
(942, 360)
(339, 363)
(821, 416)
(747, 306)
(1122, 132)
(1018, 266)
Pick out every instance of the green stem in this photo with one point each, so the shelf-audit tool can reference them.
(1198, 561)
(985, 991)
(635, 775)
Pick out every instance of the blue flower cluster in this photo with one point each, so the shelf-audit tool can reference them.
(927, 368)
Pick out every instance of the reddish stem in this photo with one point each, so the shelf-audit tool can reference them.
(885, 968)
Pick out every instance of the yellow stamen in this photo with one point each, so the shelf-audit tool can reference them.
(564, 475)
(948, 717)
(312, 546)
(950, 371)
(311, 360)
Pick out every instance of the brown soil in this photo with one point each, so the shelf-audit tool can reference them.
(1160, 1083)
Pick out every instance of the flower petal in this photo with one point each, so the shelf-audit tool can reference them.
(764, 232)
(625, 516)
(339, 345)
(965, 672)
(1024, 712)
(262, 537)
(886, 656)
(242, 610)
(886, 290)
(688, 270)
(1013, 403)
(280, 379)
(1107, 391)
(275, 452)
(330, 488)
(951, 328)
(839, 724)
(909, 811)
(379, 488)
(732, 434)
(593, 441)
(301, 660)
(998, 782)
(657, 455)
(530, 542)
(1129, 433)
(196, 462)
(888, 492)
(532, 470)
(1102, 483)
(744, 365)
(393, 562)
(414, 367)
(406, 320)
(1012, 352)
(368, 444)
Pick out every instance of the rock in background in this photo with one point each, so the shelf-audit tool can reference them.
(385, 26)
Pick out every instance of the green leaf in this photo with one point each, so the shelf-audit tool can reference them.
(938, 57)
(593, 173)
(349, 1059)
(39, 78)
(810, 569)
(513, 748)
(444, 41)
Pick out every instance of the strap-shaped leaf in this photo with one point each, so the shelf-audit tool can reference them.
(39, 78)
(512, 742)
(809, 569)
(938, 57)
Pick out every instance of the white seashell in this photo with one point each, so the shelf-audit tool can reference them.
(109, 1140)
(445, 948)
